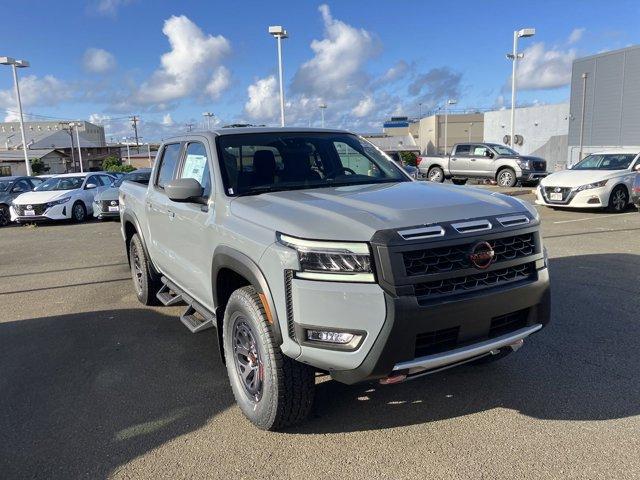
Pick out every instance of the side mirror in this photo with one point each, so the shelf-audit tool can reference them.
(488, 153)
(637, 167)
(90, 186)
(183, 189)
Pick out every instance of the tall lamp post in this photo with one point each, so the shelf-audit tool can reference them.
(208, 116)
(15, 64)
(77, 125)
(128, 150)
(323, 107)
(446, 121)
(280, 33)
(514, 57)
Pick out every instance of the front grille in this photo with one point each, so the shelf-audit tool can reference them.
(565, 191)
(38, 208)
(436, 342)
(105, 204)
(539, 166)
(508, 323)
(288, 278)
(448, 259)
(474, 282)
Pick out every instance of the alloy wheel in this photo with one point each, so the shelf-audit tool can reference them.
(249, 366)
(505, 179)
(136, 269)
(619, 200)
(78, 212)
(434, 175)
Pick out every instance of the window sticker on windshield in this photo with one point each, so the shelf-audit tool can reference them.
(194, 167)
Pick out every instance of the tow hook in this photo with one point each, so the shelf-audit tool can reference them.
(392, 379)
(516, 345)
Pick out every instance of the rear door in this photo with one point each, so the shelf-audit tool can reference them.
(190, 266)
(159, 218)
(459, 161)
(479, 164)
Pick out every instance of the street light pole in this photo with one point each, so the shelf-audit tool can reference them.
(446, 121)
(323, 107)
(514, 56)
(470, 127)
(280, 33)
(15, 64)
(584, 103)
(128, 151)
(208, 116)
(149, 147)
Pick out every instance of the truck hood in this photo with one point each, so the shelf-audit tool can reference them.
(357, 212)
(575, 178)
(41, 197)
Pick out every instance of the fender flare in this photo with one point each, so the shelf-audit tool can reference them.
(228, 257)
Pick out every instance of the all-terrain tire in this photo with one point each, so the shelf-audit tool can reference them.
(435, 174)
(507, 178)
(145, 282)
(286, 387)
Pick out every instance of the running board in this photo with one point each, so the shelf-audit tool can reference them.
(196, 317)
(168, 297)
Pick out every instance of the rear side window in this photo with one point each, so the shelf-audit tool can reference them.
(170, 158)
(196, 166)
(463, 150)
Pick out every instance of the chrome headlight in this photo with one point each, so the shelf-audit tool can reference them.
(589, 186)
(334, 261)
(524, 164)
(58, 202)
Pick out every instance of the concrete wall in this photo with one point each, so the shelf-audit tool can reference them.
(460, 128)
(544, 130)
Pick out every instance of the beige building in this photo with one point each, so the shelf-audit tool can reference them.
(467, 127)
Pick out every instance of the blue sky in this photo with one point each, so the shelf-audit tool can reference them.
(168, 62)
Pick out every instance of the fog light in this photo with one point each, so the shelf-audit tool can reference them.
(325, 336)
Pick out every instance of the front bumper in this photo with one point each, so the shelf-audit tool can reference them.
(591, 198)
(394, 349)
(56, 212)
(531, 176)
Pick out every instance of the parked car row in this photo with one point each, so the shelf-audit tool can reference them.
(72, 196)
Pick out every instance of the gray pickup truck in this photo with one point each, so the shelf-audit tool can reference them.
(311, 251)
(483, 160)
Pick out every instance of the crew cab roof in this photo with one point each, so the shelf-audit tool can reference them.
(249, 130)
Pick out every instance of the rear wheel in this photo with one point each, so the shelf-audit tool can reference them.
(507, 178)
(618, 200)
(78, 212)
(5, 216)
(144, 282)
(435, 174)
(272, 390)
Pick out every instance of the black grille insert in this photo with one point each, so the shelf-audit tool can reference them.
(39, 209)
(508, 323)
(447, 259)
(436, 342)
(477, 281)
(288, 278)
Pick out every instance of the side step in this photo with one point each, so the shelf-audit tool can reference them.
(168, 297)
(196, 317)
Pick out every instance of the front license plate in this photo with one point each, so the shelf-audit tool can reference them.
(114, 209)
(555, 196)
(29, 213)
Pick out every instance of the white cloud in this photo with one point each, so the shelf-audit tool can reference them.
(364, 107)
(263, 99)
(191, 64)
(336, 68)
(45, 91)
(99, 119)
(167, 121)
(542, 69)
(97, 60)
(110, 7)
(220, 81)
(576, 35)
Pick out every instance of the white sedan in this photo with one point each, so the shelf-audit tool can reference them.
(68, 196)
(600, 180)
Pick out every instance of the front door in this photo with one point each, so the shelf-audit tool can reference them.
(480, 165)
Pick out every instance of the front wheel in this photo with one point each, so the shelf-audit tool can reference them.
(618, 200)
(78, 212)
(507, 178)
(272, 390)
(436, 174)
(144, 281)
(5, 216)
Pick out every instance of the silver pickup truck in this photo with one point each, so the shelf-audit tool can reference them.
(483, 160)
(311, 251)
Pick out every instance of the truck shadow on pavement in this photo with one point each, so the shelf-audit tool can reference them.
(583, 366)
(85, 393)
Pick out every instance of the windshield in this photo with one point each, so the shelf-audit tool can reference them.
(60, 183)
(265, 162)
(138, 177)
(613, 161)
(4, 186)
(502, 150)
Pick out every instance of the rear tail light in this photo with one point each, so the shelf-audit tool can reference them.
(418, 160)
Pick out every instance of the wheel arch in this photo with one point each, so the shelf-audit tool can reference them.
(232, 269)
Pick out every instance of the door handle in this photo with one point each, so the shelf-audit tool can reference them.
(473, 159)
(171, 214)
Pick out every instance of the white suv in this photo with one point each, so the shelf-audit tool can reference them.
(62, 197)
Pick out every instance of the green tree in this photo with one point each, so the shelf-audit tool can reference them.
(38, 167)
(410, 158)
(113, 163)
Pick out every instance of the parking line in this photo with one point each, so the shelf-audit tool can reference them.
(595, 218)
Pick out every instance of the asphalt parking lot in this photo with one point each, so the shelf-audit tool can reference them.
(94, 385)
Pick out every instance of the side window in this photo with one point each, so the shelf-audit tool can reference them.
(196, 166)
(170, 157)
(21, 186)
(478, 150)
(35, 182)
(93, 179)
(355, 161)
(462, 150)
(106, 181)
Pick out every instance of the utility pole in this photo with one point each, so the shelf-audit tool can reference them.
(134, 119)
(67, 127)
(189, 126)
